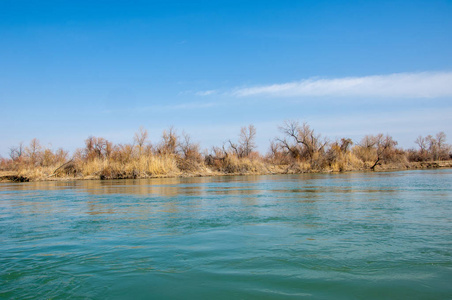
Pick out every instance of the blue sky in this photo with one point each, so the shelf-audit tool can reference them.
(70, 69)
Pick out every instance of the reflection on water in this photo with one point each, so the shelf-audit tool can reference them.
(353, 235)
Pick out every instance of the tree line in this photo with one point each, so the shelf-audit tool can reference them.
(299, 148)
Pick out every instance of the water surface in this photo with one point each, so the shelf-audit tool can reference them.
(353, 235)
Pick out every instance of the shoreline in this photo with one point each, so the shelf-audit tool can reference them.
(11, 176)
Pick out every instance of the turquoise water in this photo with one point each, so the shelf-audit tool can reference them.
(320, 236)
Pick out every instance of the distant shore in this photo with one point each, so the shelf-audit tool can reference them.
(299, 150)
(10, 176)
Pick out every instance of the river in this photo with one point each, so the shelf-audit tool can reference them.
(319, 236)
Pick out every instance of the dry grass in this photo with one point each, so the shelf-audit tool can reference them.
(141, 167)
(160, 165)
(173, 157)
(234, 165)
(167, 166)
(346, 162)
(298, 167)
(36, 173)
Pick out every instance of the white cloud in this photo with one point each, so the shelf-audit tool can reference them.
(400, 85)
(160, 108)
(206, 93)
(181, 106)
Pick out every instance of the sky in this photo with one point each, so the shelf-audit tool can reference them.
(72, 69)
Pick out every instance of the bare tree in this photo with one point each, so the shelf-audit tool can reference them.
(235, 148)
(385, 147)
(189, 149)
(122, 153)
(277, 154)
(246, 143)
(300, 140)
(369, 141)
(247, 139)
(169, 142)
(140, 138)
(345, 144)
(33, 151)
(17, 151)
(443, 148)
(97, 147)
(366, 148)
(273, 149)
(61, 155)
(422, 154)
(437, 147)
(422, 143)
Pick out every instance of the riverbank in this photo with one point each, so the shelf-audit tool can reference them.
(66, 172)
(299, 150)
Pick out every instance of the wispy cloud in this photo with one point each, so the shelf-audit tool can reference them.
(206, 93)
(160, 108)
(182, 106)
(400, 85)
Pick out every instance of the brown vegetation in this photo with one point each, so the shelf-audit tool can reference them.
(299, 149)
